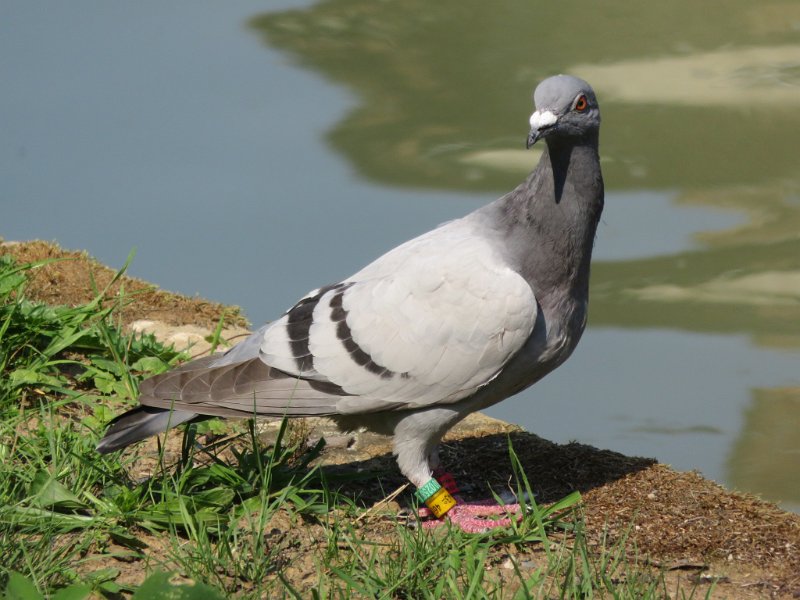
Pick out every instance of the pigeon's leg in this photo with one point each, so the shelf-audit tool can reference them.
(440, 474)
(416, 440)
(471, 517)
(434, 460)
(416, 437)
(413, 454)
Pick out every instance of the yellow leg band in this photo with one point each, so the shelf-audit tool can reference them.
(440, 503)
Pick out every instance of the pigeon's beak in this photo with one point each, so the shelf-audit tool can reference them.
(542, 122)
(534, 136)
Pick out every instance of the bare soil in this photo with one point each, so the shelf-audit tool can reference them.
(677, 521)
(73, 278)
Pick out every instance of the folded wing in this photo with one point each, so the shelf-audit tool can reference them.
(429, 322)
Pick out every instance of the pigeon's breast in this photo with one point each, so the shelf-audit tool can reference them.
(559, 326)
(564, 321)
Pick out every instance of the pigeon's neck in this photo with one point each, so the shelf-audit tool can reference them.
(549, 221)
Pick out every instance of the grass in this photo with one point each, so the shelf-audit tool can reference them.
(230, 518)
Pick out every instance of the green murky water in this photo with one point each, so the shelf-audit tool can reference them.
(701, 104)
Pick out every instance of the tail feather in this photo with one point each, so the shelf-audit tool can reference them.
(140, 423)
(214, 386)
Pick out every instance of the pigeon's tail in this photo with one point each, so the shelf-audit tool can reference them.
(138, 424)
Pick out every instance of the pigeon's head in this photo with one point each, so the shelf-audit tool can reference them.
(565, 107)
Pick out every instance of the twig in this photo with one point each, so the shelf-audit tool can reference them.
(381, 503)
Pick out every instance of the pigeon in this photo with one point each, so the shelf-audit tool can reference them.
(446, 324)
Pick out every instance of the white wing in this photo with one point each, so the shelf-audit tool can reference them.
(429, 322)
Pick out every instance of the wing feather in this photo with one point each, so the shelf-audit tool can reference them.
(430, 322)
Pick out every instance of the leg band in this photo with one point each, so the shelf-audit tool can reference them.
(436, 498)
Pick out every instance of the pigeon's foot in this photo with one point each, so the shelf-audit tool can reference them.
(475, 517)
(471, 517)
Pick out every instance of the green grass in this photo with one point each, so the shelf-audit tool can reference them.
(232, 518)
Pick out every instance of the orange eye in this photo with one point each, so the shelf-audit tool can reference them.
(581, 104)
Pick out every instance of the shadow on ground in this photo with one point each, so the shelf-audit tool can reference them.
(482, 465)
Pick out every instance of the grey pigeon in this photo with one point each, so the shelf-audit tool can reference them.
(446, 324)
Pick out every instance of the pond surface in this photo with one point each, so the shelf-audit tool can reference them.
(253, 151)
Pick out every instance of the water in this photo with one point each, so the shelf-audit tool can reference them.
(253, 151)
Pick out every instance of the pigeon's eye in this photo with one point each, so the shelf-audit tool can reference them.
(581, 104)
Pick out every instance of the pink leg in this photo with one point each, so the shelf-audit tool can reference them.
(470, 517)
(447, 480)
